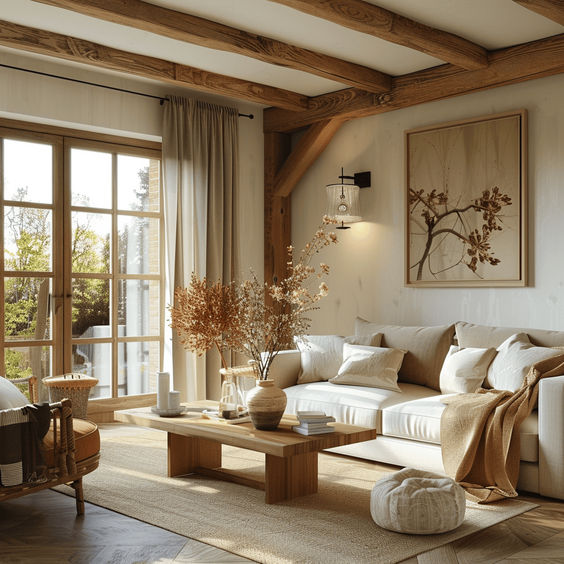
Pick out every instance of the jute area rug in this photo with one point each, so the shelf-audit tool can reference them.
(333, 525)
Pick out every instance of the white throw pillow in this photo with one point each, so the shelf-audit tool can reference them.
(464, 370)
(514, 358)
(375, 367)
(322, 355)
(10, 396)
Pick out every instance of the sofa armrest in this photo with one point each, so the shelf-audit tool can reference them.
(551, 437)
(285, 368)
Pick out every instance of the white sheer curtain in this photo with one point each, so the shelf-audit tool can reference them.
(200, 160)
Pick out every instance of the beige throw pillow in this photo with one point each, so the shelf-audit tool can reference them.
(464, 370)
(322, 355)
(514, 358)
(370, 366)
(426, 349)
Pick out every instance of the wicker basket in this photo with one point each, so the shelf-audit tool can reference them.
(75, 387)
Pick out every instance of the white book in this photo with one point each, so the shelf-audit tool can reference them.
(315, 424)
(310, 414)
(318, 420)
(299, 429)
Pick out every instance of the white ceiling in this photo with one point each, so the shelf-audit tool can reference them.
(491, 23)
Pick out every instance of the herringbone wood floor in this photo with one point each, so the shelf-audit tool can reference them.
(43, 529)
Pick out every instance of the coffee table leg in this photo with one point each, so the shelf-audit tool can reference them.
(286, 478)
(185, 454)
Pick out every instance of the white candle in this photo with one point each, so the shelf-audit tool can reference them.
(174, 400)
(163, 388)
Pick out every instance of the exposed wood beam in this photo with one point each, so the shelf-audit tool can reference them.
(540, 58)
(551, 9)
(368, 18)
(277, 219)
(193, 29)
(309, 147)
(80, 51)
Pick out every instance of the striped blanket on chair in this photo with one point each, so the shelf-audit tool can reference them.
(21, 431)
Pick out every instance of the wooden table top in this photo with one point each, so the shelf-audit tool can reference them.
(282, 442)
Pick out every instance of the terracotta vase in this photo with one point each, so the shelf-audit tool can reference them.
(266, 403)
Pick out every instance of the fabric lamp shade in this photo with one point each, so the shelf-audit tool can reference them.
(343, 202)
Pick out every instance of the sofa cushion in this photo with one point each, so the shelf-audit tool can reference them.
(420, 420)
(10, 396)
(356, 405)
(483, 336)
(514, 358)
(376, 367)
(86, 441)
(284, 369)
(464, 370)
(322, 355)
(426, 349)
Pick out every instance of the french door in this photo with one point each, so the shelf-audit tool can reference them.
(82, 260)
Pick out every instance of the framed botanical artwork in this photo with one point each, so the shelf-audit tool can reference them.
(466, 203)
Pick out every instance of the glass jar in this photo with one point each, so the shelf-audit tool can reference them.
(229, 402)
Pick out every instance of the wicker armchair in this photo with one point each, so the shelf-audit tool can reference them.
(71, 449)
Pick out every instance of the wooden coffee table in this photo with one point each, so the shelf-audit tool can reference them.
(194, 446)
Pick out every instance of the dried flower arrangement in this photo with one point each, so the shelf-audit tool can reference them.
(240, 317)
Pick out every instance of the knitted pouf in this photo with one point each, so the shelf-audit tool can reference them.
(416, 502)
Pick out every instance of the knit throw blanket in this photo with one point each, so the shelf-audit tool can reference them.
(480, 434)
(21, 432)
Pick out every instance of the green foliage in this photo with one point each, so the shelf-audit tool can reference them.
(16, 364)
(90, 304)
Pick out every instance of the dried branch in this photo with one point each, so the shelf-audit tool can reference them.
(239, 317)
(476, 242)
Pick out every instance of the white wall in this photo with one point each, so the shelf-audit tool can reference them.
(41, 99)
(367, 277)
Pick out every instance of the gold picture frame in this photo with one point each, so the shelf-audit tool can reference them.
(466, 202)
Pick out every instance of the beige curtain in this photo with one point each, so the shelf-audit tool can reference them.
(200, 161)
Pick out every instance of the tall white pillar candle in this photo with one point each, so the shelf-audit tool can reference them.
(163, 387)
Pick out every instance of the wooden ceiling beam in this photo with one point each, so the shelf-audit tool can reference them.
(551, 9)
(532, 60)
(373, 20)
(80, 51)
(309, 147)
(186, 27)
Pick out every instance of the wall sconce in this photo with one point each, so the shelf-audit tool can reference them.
(343, 199)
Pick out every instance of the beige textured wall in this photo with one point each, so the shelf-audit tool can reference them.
(367, 276)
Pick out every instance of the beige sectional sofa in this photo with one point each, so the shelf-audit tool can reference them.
(408, 420)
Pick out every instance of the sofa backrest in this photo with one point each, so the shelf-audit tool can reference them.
(484, 336)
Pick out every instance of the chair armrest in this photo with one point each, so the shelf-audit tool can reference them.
(551, 437)
(63, 437)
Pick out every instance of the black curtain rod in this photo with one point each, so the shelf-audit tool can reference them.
(159, 98)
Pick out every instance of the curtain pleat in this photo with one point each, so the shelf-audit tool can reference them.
(200, 160)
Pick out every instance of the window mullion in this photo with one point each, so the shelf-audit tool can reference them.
(113, 281)
(2, 296)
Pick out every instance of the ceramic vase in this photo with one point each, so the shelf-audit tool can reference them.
(266, 403)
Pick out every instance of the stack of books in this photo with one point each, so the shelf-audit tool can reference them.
(313, 423)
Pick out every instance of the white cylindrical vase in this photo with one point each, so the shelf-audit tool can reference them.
(163, 388)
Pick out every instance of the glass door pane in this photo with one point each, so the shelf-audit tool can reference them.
(25, 183)
(29, 261)
(116, 253)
